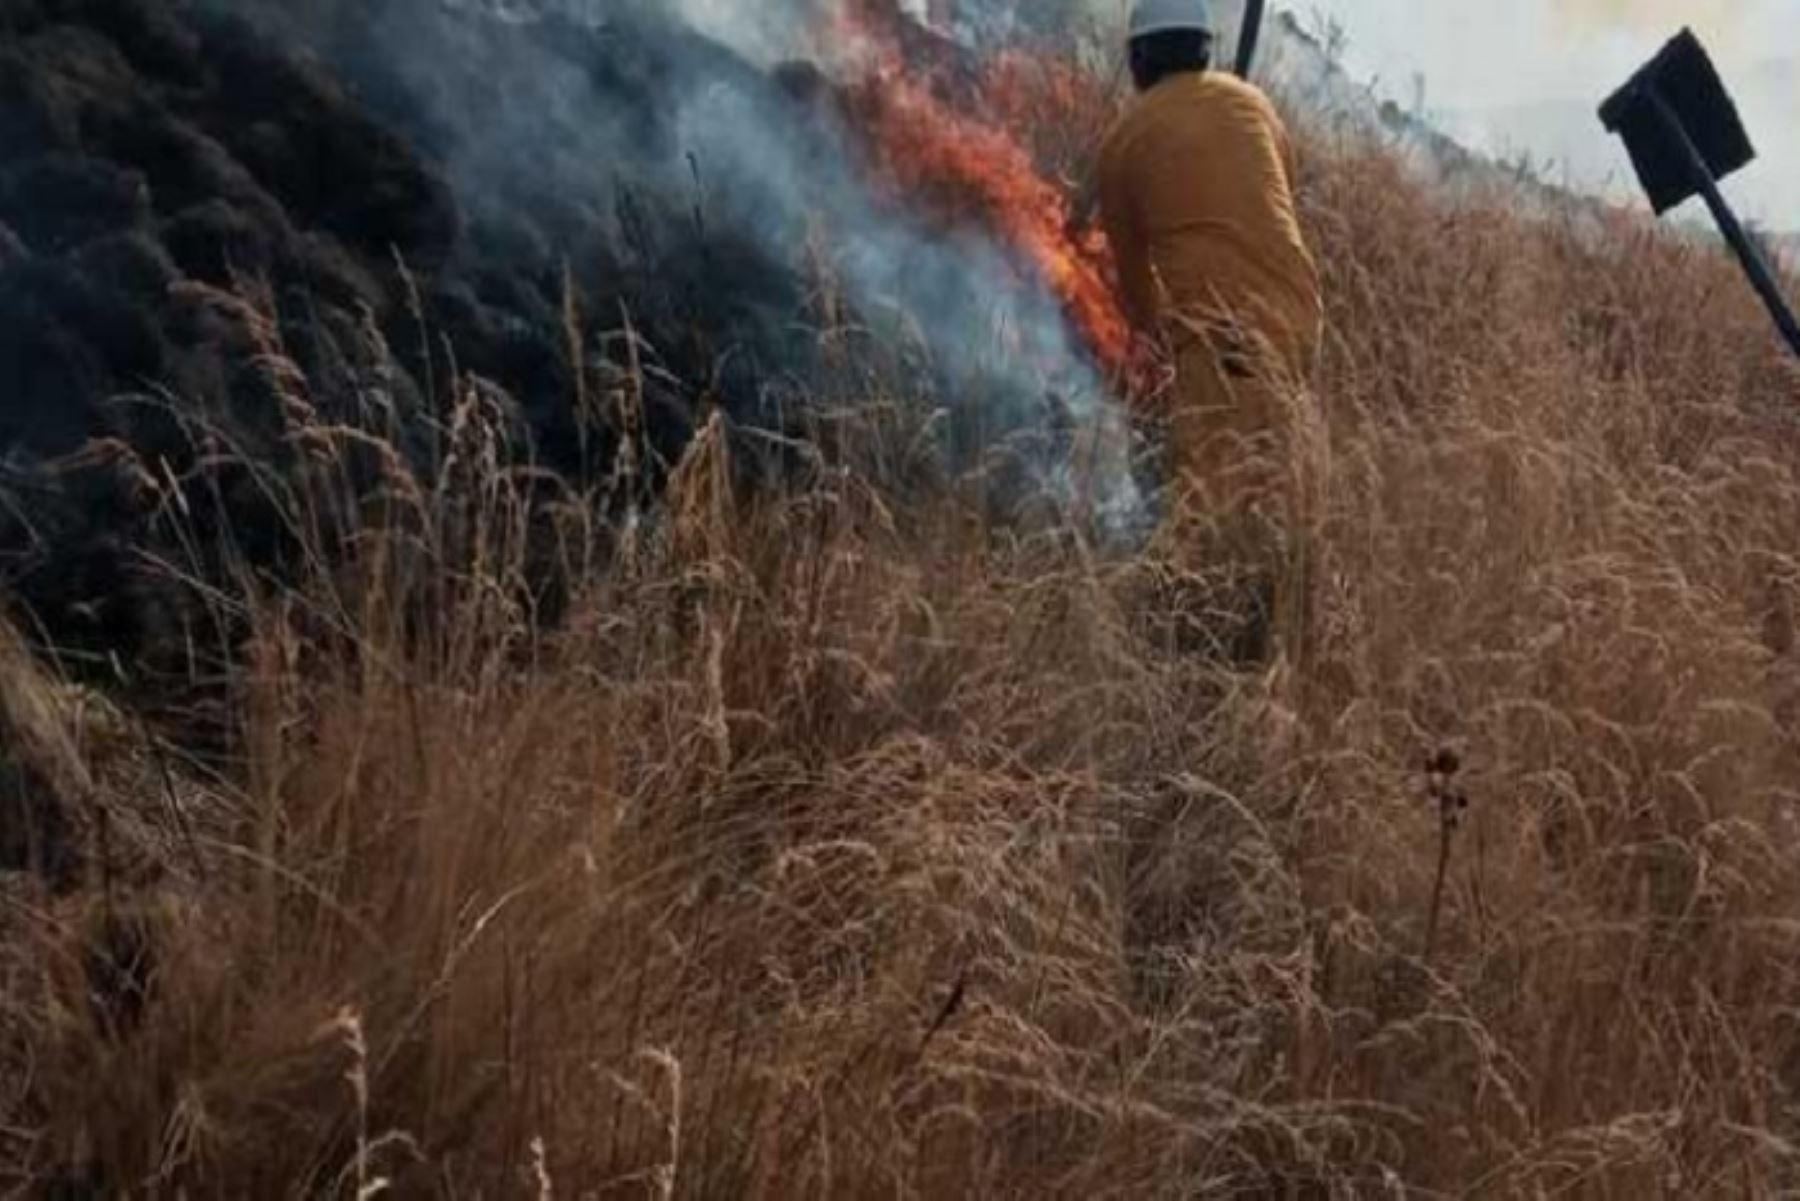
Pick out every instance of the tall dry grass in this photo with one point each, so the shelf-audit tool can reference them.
(830, 841)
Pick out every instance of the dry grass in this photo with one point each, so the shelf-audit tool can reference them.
(833, 843)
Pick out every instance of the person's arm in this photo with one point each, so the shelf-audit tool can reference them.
(1119, 214)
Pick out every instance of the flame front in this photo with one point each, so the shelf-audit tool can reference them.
(966, 163)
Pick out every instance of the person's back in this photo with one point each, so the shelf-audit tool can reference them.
(1197, 183)
(1197, 195)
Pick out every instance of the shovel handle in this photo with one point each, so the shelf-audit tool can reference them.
(1761, 277)
(1250, 36)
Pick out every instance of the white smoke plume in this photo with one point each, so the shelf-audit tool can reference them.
(993, 335)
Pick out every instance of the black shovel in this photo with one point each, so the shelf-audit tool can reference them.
(1684, 135)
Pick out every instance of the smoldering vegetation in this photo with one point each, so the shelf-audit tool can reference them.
(544, 198)
(834, 838)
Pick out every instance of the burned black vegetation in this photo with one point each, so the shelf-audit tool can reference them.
(464, 201)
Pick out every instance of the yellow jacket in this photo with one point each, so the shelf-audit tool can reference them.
(1197, 190)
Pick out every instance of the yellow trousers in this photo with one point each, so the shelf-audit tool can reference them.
(1244, 454)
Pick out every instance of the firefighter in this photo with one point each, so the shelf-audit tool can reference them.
(1196, 191)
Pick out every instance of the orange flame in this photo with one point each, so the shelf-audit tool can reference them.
(969, 165)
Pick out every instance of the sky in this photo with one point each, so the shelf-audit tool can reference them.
(1512, 76)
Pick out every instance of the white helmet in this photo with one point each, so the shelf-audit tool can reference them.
(1168, 16)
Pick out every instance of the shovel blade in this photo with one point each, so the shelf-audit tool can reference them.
(1684, 75)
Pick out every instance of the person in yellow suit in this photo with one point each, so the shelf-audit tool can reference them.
(1196, 191)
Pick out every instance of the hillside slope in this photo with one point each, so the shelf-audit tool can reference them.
(836, 841)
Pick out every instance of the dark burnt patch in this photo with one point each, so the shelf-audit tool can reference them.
(447, 202)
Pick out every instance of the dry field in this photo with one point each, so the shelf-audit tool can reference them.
(837, 841)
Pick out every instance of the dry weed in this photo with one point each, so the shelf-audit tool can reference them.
(831, 842)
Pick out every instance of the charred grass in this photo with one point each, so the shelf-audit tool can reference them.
(834, 840)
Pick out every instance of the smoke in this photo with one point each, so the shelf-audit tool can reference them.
(675, 102)
(764, 33)
(1656, 15)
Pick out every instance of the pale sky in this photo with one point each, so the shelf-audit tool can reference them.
(1512, 75)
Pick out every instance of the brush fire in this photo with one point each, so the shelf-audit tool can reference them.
(953, 134)
(517, 177)
(561, 633)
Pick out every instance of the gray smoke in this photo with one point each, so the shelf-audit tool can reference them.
(748, 160)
